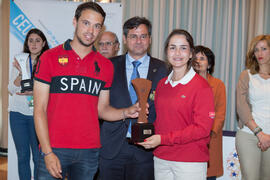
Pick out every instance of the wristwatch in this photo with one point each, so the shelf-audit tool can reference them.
(257, 130)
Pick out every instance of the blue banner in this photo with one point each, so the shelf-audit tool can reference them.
(19, 23)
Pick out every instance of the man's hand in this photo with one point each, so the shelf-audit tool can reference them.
(109, 113)
(133, 111)
(53, 165)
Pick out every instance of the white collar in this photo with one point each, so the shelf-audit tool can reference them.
(189, 75)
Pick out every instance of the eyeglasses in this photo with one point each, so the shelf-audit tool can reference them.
(135, 37)
(106, 43)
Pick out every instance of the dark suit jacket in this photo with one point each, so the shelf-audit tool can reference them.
(113, 134)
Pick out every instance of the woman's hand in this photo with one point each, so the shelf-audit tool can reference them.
(26, 93)
(151, 142)
(264, 141)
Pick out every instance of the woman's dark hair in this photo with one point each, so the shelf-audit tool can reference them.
(135, 22)
(26, 47)
(189, 39)
(89, 5)
(210, 57)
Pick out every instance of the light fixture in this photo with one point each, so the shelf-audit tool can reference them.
(104, 1)
(101, 1)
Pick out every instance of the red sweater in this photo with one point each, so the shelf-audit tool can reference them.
(185, 116)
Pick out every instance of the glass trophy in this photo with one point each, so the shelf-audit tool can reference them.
(27, 81)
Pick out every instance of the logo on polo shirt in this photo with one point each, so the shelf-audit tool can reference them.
(183, 96)
(212, 115)
(63, 60)
(76, 85)
(97, 68)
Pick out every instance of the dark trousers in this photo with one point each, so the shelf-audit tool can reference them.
(132, 163)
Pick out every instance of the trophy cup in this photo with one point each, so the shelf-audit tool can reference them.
(27, 81)
(142, 129)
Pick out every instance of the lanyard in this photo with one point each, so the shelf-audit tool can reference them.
(30, 63)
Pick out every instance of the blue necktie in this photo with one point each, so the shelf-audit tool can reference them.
(135, 74)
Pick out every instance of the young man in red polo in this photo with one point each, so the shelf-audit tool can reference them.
(71, 90)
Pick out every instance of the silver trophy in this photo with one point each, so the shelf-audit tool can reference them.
(27, 81)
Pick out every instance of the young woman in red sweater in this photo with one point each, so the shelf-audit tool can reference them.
(185, 111)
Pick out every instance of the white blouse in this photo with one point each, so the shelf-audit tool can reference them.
(18, 103)
(259, 98)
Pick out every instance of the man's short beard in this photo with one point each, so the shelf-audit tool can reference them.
(82, 43)
(80, 40)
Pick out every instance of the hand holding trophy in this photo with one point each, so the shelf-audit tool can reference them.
(27, 81)
(142, 129)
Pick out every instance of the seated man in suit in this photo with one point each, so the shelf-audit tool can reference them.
(120, 159)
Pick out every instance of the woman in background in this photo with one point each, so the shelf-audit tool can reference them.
(185, 111)
(253, 108)
(205, 67)
(21, 105)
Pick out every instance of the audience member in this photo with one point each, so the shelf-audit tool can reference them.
(21, 105)
(205, 67)
(108, 44)
(253, 108)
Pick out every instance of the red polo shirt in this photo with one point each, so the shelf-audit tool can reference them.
(75, 85)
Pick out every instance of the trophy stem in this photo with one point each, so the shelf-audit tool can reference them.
(142, 114)
(142, 88)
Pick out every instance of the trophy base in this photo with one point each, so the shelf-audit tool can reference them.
(26, 85)
(141, 131)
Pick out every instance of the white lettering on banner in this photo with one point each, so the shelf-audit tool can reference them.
(25, 30)
(22, 24)
(15, 19)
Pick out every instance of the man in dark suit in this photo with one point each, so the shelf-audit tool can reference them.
(120, 159)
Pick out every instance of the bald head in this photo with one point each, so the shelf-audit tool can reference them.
(108, 44)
